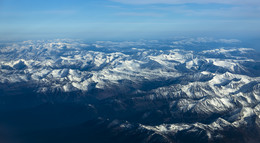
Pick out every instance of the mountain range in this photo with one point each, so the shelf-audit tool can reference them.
(177, 90)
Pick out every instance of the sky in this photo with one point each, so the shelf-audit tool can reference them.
(34, 19)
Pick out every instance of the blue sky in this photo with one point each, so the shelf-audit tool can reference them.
(126, 18)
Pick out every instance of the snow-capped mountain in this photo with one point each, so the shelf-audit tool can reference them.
(164, 89)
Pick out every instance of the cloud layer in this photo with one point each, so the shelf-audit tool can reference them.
(233, 2)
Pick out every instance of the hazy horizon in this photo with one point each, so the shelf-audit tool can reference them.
(121, 19)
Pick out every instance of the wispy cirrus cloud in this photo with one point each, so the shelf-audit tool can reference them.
(59, 12)
(233, 2)
(220, 8)
(224, 12)
(145, 14)
(40, 12)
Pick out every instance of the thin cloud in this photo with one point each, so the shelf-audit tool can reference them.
(235, 12)
(235, 9)
(140, 14)
(232, 2)
(58, 12)
(44, 12)
(113, 6)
